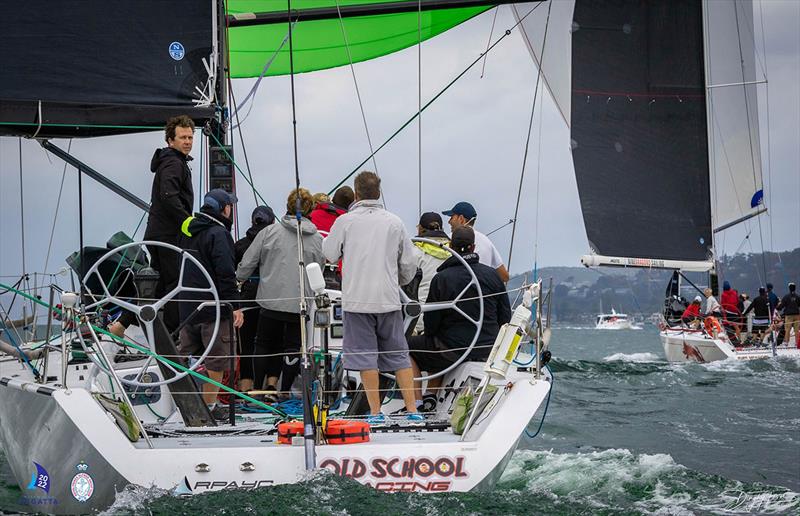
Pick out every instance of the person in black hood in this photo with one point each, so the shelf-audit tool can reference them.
(171, 201)
(262, 217)
(446, 330)
(207, 236)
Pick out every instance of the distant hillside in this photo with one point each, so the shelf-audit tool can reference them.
(581, 293)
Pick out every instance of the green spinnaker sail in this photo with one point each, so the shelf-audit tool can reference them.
(320, 44)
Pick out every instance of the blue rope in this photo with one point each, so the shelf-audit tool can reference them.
(547, 404)
(533, 358)
(19, 350)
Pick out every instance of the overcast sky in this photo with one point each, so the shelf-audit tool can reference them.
(473, 139)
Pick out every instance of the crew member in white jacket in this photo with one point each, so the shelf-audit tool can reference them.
(377, 258)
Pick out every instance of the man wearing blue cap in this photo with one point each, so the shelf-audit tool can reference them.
(207, 236)
(464, 214)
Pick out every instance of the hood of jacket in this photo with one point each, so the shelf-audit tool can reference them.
(470, 258)
(164, 154)
(434, 250)
(202, 221)
(255, 228)
(290, 222)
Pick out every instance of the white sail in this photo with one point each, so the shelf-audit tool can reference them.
(732, 74)
(556, 69)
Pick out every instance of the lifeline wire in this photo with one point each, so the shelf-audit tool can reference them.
(436, 97)
(355, 83)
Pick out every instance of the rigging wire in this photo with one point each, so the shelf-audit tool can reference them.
(358, 91)
(22, 222)
(419, 108)
(528, 138)
(241, 139)
(489, 41)
(435, 97)
(250, 97)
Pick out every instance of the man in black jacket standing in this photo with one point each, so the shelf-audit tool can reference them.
(207, 236)
(446, 331)
(171, 203)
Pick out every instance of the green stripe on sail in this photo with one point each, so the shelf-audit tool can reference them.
(319, 44)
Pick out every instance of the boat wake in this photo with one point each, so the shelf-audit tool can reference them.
(634, 357)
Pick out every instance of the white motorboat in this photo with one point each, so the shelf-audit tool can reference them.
(613, 321)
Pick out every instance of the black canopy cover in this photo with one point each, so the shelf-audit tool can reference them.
(95, 67)
(639, 133)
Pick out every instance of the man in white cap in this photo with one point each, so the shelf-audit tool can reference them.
(464, 214)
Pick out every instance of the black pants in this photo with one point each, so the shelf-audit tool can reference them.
(167, 263)
(247, 343)
(278, 332)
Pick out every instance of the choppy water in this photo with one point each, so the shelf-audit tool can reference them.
(625, 433)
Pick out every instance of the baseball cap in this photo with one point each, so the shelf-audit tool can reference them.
(462, 208)
(218, 198)
(463, 236)
(431, 220)
(698, 299)
(262, 214)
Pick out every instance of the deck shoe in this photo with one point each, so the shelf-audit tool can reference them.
(221, 412)
(415, 417)
(377, 419)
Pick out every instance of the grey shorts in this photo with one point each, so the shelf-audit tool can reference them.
(367, 334)
(195, 337)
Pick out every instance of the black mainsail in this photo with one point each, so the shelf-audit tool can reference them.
(639, 132)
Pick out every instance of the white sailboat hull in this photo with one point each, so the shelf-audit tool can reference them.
(684, 345)
(62, 430)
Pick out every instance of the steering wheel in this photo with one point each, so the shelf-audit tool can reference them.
(147, 313)
(413, 309)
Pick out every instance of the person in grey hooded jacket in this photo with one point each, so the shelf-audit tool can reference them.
(274, 252)
(377, 258)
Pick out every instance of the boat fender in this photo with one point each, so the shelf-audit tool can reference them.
(712, 326)
(342, 431)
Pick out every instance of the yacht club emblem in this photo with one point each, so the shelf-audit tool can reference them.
(82, 485)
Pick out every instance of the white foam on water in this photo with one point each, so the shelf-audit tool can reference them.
(610, 478)
(587, 474)
(633, 357)
(133, 499)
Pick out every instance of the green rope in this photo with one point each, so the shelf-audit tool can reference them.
(159, 357)
(239, 169)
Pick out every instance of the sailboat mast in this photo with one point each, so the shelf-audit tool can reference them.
(710, 136)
